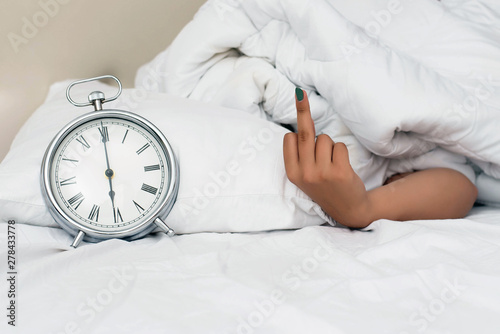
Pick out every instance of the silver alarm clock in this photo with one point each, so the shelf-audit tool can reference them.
(109, 173)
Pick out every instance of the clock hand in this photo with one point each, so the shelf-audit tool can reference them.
(109, 172)
(112, 196)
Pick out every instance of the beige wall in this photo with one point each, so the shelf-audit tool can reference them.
(44, 41)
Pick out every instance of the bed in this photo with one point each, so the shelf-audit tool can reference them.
(253, 254)
(412, 277)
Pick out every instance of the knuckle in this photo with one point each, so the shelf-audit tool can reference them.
(340, 154)
(309, 177)
(324, 138)
(302, 108)
(324, 142)
(337, 173)
(289, 139)
(304, 136)
(341, 145)
(324, 175)
(342, 175)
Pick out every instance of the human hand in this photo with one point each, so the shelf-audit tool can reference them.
(321, 169)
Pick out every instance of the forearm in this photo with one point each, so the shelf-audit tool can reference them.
(438, 193)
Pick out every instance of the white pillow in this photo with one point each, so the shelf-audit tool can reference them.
(231, 164)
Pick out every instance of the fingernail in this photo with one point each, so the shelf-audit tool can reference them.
(299, 93)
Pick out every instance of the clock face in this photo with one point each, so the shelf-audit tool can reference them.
(109, 174)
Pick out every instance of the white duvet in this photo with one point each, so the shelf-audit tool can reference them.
(405, 84)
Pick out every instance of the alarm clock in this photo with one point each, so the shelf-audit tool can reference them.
(109, 173)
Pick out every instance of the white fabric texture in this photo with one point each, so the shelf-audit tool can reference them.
(232, 176)
(405, 84)
(413, 277)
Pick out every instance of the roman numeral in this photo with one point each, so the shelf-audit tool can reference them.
(69, 181)
(138, 207)
(151, 168)
(84, 143)
(104, 134)
(126, 133)
(118, 216)
(76, 200)
(94, 213)
(142, 149)
(149, 189)
(73, 161)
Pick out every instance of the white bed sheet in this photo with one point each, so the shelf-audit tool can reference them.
(402, 277)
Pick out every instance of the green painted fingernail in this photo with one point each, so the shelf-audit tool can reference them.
(299, 93)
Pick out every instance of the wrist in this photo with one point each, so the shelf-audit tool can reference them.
(357, 216)
(364, 215)
(370, 212)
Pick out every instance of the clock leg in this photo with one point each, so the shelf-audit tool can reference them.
(161, 224)
(78, 239)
